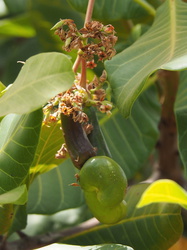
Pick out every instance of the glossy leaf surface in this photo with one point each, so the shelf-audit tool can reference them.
(42, 77)
(54, 186)
(114, 10)
(164, 191)
(133, 139)
(157, 226)
(18, 141)
(162, 46)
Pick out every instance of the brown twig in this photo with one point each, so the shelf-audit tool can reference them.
(32, 242)
(168, 157)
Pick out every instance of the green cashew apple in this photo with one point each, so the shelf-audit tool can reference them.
(104, 184)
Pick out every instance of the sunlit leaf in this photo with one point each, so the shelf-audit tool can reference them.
(42, 77)
(164, 191)
(51, 140)
(18, 141)
(17, 196)
(162, 46)
(157, 226)
(95, 247)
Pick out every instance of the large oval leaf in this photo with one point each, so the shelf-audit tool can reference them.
(157, 226)
(42, 77)
(163, 46)
(131, 140)
(51, 192)
(18, 141)
(114, 10)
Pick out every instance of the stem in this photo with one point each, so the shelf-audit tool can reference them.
(76, 64)
(83, 74)
(89, 11)
(78, 60)
(33, 242)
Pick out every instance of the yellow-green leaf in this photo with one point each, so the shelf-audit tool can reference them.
(164, 191)
(16, 196)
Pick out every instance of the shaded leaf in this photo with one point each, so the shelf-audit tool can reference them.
(19, 219)
(161, 47)
(16, 196)
(42, 77)
(16, 6)
(131, 140)
(114, 10)
(164, 191)
(181, 117)
(18, 141)
(43, 22)
(51, 140)
(51, 192)
(157, 226)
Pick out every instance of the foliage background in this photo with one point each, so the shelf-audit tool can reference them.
(24, 32)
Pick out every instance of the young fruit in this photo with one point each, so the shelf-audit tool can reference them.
(104, 184)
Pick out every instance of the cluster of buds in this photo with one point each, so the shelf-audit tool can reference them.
(95, 39)
(73, 101)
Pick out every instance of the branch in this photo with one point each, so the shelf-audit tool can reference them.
(32, 242)
(168, 164)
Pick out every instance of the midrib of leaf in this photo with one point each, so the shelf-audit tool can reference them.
(35, 82)
(172, 8)
(132, 219)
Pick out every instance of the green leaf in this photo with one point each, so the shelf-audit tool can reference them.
(164, 191)
(51, 140)
(20, 26)
(42, 77)
(95, 247)
(131, 140)
(17, 196)
(18, 141)
(51, 192)
(2, 87)
(157, 226)
(19, 219)
(16, 6)
(6, 216)
(114, 10)
(162, 46)
(181, 117)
